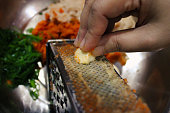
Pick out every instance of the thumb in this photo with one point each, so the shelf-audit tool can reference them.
(144, 38)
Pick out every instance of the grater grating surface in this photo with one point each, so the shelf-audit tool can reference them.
(98, 88)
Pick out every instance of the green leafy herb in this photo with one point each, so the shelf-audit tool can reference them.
(40, 13)
(30, 30)
(18, 59)
(34, 89)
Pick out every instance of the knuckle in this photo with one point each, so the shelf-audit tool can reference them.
(94, 9)
(93, 33)
(116, 46)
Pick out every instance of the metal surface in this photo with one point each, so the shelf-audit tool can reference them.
(17, 13)
(98, 88)
(147, 72)
(57, 93)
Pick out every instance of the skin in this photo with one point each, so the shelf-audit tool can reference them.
(152, 30)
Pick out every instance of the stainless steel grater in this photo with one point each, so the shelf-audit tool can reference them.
(92, 88)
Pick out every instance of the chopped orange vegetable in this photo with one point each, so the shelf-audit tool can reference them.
(117, 56)
(54, 29)
(54, 13)
(61, 10)
(142, 106)
(9, 82)
(133, 90)
(125, 80)
(47, 16)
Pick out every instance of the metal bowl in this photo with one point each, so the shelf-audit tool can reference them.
(147, 72)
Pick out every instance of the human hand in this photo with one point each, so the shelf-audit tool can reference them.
(152, 31)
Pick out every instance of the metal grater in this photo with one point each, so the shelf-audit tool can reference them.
(79, 88)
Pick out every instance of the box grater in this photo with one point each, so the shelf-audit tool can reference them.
(92, 88)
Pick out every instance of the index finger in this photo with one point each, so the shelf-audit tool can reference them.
(83, 22)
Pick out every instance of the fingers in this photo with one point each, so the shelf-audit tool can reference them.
(97, 24)
(83, 22)
(97, 21)
(144, 38)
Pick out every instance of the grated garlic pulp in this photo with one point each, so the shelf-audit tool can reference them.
(83, 57)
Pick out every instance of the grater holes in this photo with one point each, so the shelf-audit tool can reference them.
(91, 79)
(66, 111)
(58, 109)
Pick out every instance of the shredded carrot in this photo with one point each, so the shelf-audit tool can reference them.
(61, 10)
(54, 29)
(117, 56)
(133, 90)
(9, 82)
(47, 16)
(142, 106)
(54, 13)
(125, 80)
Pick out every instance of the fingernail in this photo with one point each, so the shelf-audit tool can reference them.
(82, 44)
